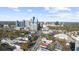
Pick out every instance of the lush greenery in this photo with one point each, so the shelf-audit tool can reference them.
(48, 36)
(67, 27)
(12, 34)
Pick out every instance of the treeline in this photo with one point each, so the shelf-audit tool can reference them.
(67, 27)
(12, 34)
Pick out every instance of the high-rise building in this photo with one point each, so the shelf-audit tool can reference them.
(33, 19)
(34, 24)
(28, 24)
(20, 24)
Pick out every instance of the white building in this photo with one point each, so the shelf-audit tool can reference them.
(44, 40)
(33, 27)
(45, 29)
(76, 43)
(29, 24)
(63, 37)
(6, 26)
(18, 48)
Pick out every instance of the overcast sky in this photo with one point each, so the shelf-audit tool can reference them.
(42, 13)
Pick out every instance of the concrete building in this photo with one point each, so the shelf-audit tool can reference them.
(28, 24)
(76, 43)
(20, 24)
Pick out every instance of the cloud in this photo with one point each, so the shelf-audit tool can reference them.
(60, 14)
(5, 17)
(29, 10)
(56, 9)
(63, 9)
(16, 9)
(47, 8)
(54, 15)
(67, 17)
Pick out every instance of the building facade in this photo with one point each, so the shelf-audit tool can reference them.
(28, 24)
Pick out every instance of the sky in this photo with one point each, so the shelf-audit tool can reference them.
(62, 14)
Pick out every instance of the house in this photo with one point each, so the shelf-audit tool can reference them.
(18, 48)
(45, 42)
(20, 40)
(6, 26)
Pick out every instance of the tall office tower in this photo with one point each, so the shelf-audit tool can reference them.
(17, 24)
(24, 23)
(33, 19)
(37, 21)
(20, 24)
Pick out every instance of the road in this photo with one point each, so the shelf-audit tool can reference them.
(37, 44)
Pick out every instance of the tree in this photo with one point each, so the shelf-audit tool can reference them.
(24, 46)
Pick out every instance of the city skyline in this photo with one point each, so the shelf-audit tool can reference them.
(62, 14)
